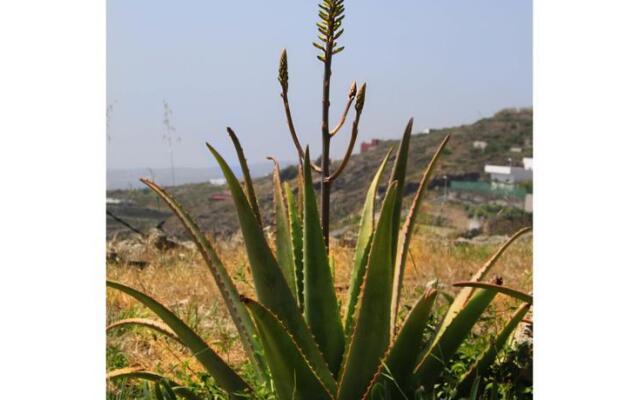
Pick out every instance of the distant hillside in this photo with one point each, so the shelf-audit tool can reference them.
(129, 178)
(501, 132)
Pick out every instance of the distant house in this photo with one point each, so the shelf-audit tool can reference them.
(220, 196)
(528, 203)
(527, 162)
(112, 200)
(516, 150)
(480, 145)
(366, 146)
(217, 181)
(426, 131)
(506, 174)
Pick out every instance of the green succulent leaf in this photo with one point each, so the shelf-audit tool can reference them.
(228, 290)
(139, 373)
(463, 296)
(370, 337)
(284, 244)
(482, 364)
(185, 392)
(443, 347)
(248, 182)
(475, 389)
(402, 354)
(215, 366)
(297, 243)
(147, 323)
(136, 373)
(320, 303)
(398, 175)
(164, 391)
(293, 376)
(407, 232)
(516, 294)
(270, 284)
(363, 245)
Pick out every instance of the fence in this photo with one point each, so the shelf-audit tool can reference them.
(488, 189)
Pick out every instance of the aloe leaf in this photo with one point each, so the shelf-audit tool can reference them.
(463, 296)
(136, 373)
(402, 354)
(320, 303)
(248, 182)
(398, 175)
(453, 325)
(300, 182)
(215, 366)
(443, 347)
(297, 244)
(370, 337)
(293, 376)
(185, 392)
(284, 244)
(482, 364)
(139, 373)
(407, 232)
(164, 391)
(494, 392)
(147, 323)
(516, 294)
(363, 245)
(228, 290)
(270, 284)
(475, 389)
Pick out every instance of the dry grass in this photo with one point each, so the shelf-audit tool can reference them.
(181, 281)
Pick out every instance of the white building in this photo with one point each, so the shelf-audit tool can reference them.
(218, 181)
(508, 174)
(479, 144)
(528, 203)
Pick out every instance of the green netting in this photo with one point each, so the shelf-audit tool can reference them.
(488, 189)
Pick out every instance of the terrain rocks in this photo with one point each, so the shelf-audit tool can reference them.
(159, 239)
(138, 250)
(481, 240)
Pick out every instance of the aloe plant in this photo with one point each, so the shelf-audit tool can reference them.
(294, 333)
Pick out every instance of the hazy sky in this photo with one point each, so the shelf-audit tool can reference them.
(215, 63)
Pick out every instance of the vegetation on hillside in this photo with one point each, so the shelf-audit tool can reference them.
(505, 129)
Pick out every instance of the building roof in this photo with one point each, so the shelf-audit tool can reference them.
(498, 169)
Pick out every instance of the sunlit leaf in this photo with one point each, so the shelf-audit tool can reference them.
(293, 376)
(320, 303)
(215, 366)
(363, 245)
(370, 337)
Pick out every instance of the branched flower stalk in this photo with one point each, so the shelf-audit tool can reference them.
(331, 14)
